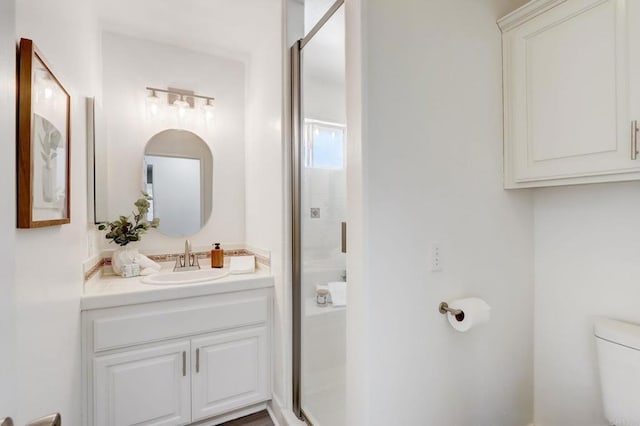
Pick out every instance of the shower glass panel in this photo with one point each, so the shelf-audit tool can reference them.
(322, 194)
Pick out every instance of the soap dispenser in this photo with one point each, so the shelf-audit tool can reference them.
(217, 256)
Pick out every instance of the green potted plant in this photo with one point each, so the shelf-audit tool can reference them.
(124, 231)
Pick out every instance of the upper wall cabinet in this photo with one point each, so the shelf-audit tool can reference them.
(571, 92)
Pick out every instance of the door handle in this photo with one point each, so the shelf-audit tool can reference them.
(50, 420)
(343, 238)
(184, 363)
(198, 360)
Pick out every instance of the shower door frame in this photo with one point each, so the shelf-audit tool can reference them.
(297, 121)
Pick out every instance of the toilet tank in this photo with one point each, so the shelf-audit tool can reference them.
(618, 347)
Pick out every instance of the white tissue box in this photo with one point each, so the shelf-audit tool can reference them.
(242, 264)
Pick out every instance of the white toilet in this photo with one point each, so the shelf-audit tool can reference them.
(618, 346)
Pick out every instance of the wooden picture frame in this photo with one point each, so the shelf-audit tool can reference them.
(43, 150)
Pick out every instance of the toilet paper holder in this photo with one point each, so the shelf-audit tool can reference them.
(445, 309)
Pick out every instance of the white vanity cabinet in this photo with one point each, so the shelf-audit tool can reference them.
(571, 92)
(177, 362)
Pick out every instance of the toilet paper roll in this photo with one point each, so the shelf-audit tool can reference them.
(475, 311)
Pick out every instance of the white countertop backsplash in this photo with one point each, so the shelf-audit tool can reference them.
(106, 291)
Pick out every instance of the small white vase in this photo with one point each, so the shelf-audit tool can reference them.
(123, 256)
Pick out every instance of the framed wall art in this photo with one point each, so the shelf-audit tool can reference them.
(43, 143)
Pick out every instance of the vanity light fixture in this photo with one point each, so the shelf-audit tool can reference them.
(184, 100)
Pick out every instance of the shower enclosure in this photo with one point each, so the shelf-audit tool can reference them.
(319, 215)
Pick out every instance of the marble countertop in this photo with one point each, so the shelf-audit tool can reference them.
(108, 291)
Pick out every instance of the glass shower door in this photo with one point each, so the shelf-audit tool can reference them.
(321, 168)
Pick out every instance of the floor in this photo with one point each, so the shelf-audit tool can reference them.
(258, 419)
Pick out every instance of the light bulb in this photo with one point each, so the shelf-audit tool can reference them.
(182, 107)
(208, 110)
(153, 104)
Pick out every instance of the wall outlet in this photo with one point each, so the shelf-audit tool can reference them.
(436, 258)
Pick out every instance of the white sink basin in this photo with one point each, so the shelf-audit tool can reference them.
(187, 277)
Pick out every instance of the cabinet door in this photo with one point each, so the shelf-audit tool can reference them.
(143, 387)
(567, 94)
(231, 370)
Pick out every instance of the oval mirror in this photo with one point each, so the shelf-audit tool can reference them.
(178, 174)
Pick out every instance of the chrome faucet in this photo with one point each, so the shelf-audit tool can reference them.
(187, 261)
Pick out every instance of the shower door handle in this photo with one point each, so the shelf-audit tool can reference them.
(343, 238)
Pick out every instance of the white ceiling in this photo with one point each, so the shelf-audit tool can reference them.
(222, 27)
(230, 28)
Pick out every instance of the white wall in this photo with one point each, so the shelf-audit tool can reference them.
(129, 128)
(358, 333)
(48, 261)
(431, 171)
(7, 213)
(265, 161)
(587, 251)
